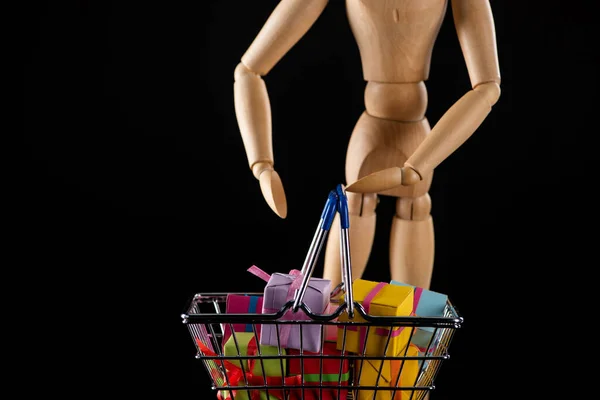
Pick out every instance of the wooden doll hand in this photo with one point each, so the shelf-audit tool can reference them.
(271, 188)
(385, 179)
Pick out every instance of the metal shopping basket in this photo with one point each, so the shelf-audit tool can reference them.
(207, 321)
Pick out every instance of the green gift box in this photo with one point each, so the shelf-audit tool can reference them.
(253, 370)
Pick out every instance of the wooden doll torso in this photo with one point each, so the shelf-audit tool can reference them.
(395, 37)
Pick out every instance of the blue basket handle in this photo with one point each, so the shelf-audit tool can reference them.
(342, 207)
(336, 202)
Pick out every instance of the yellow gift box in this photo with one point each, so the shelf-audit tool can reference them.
(378, 299)
(408, 371)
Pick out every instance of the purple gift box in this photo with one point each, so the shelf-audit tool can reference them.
(276, 294)
(242, 304)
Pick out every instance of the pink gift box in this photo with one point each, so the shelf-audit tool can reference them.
(242, 304)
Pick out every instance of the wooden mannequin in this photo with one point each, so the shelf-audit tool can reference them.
(392, 146)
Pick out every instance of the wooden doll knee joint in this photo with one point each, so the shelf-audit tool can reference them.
(361, 204)
(414, 208)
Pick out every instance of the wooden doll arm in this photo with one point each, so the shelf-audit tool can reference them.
(286, 25)
(476, 33)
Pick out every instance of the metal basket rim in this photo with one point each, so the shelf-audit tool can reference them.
(187, 316)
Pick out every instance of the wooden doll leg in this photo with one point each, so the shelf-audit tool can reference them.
(412, 242)
(361, 208)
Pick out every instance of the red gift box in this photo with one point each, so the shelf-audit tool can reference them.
(315, 375)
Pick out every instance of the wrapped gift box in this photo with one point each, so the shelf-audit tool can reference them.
(278, 291)
(427, 303)
(394, 373)
(378, 299)
(328, 371)
(242, 304)
(253, 371)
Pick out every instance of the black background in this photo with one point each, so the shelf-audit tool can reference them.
(133, 191)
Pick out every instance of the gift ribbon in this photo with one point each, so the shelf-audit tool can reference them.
(236, 375)
(260, 273)
(285, 329)
(289, 314)
(418, 292)
(295, 285)
(251, 349)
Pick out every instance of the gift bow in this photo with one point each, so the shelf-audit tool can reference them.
(236, 374)
(289, 314)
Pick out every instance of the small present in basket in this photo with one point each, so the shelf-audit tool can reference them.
(242, 304)
(256, 371)
(279, 290)
(377, 299)
(394, 373)
(317, 371)
(426, 303)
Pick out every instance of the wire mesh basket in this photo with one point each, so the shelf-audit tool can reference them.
(243, 368)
